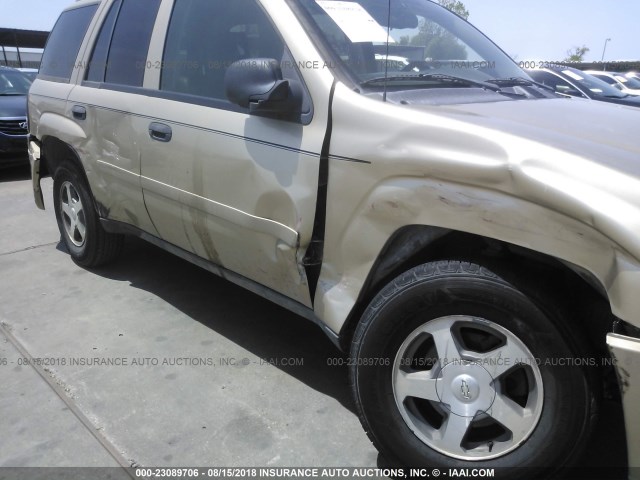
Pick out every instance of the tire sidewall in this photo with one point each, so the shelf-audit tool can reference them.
(67, 173)
(396, 313)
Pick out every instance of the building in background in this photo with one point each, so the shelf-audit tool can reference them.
(22, 48)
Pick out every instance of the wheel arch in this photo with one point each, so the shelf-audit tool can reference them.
(413, 245)
(55, 152)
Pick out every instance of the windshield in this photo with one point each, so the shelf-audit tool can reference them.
(595, 85)
(425, 43)
(13, 82)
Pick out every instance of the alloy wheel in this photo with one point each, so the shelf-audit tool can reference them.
(467, 387)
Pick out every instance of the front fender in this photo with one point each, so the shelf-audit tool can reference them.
(402, 201)
(434, 169)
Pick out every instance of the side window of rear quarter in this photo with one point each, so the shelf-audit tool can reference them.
(64, 43)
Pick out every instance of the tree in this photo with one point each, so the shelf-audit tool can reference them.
(439, 43)
(456, 6)
(576, 54)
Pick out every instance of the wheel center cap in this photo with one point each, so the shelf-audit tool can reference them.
(465, 388)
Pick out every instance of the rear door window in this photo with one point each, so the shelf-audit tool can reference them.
(120, 52)
(98, 63)
(130, 42)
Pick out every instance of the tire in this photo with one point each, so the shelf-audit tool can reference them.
(452, 366)
(87, 242)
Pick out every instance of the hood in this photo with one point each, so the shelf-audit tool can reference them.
(12, 106)
(604, 132)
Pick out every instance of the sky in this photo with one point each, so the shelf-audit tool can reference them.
(545, 29)
(540, 30)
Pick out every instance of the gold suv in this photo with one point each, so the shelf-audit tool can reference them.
(384, 170)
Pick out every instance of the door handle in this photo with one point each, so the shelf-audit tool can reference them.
(79, 113)
(160, 132)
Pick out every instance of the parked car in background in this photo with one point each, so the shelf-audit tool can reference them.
(635, 75)
(624, 83)
(576, 83)
(31, 73)
(14, 86)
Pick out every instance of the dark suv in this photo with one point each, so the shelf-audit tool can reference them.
(14, 86)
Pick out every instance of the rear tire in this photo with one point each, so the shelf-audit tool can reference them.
(87, 242)
(452, 366)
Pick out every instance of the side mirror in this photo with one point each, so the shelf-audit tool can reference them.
(257, 84)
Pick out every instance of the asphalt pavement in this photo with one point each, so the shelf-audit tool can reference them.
(163, 363)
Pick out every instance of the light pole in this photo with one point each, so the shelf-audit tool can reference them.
(603, 52)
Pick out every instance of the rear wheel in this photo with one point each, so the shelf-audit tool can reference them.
(455, 367)
(87, 242)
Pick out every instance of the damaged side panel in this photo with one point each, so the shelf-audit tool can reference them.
(40, 105)
(111, 155)
(237, 190)
(477, 185)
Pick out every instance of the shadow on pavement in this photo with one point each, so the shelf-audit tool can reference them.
(269, 331)
(258, 325)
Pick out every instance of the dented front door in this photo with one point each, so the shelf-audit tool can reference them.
(234, 189)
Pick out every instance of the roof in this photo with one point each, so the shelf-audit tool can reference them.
(11, 37)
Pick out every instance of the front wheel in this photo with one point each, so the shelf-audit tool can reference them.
(455, 367)
(87, 242)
